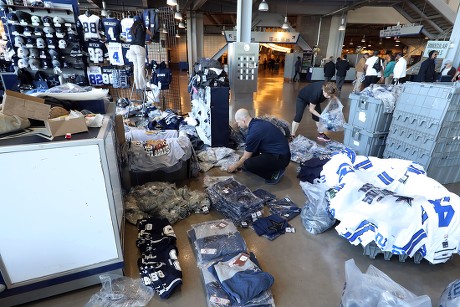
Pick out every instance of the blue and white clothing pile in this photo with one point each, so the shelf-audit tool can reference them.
(303, 149)
(235, 201)
(232, 275)
(392, 203)
(158, 265)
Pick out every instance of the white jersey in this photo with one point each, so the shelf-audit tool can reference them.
(91, 26)
(115, 54)
(126, 24)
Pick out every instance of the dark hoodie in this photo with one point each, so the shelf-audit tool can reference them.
(161, 74)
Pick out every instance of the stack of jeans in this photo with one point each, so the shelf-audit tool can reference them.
(235, 201)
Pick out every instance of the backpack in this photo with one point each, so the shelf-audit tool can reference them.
(377, 65)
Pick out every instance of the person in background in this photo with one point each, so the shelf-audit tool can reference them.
(267, 152)
(360, 72)
(313, 95)
(389, 67)
(342, 66)
(399, 71)
(297, 68)
(137, 49)
(372, 76)
(427, 72)
(456, 78)
(329, 69)
(447, 72)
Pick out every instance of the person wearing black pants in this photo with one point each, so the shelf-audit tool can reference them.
(267, 152)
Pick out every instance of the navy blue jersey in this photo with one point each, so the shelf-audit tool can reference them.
(124, 48)
(96, 50)
(112, 29)
(152, 23)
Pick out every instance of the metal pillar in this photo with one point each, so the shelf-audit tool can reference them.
(195, 42)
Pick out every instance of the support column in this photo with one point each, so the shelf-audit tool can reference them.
(244, 20)
(336, 37)
(195, 42)
(453, 53)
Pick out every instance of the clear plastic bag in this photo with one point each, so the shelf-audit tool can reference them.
(315, 215)
(120, 291)
(375, 288)
(332, 118)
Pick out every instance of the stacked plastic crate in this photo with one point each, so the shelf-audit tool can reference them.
(426, 129)
(367, 128)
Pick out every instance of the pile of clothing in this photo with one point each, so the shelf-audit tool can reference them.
(158, 265)
(231, 274)
(235, 201)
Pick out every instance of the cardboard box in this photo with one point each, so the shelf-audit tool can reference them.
(63, 125)
(26, 106)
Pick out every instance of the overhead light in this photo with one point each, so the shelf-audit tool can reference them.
(178, 15)
(164, 29)
(397, 39)
(397, 45)
(171, 2)
(177, 35)
(103, 11)
(181, 25)
(387, 37)
(263, 6)
(285, 25)
(363, 40)
(351, 42)
(380, 41)
(223, 30)
(369, 45)
(342, 25)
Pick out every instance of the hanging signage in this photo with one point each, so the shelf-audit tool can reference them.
(440, 46)
(266, 37)
(401, 30)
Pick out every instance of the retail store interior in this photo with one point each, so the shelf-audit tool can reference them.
(199, 70)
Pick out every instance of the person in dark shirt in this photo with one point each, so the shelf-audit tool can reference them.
(297, 67)
(137, 50)
(329, 69)
(267, 152)
(342, 66)
(313, 95)
(427, 71)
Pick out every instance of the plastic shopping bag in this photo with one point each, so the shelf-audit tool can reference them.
(375, 288)
(332, 118)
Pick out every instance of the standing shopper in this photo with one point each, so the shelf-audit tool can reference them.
(373, 74)
(297, 67)
(137, 50)
(389, 68)
(360, 72)
(342, 66)
(267, 152)
(399, 71)
(329, 69)
(427, 72)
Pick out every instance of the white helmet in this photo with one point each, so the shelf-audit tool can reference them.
(48, 30)
(58, 21)
(23, 63)
(35, 20)
(62, 44)
(40, 43)
(23, 52)
(18, 41)
(33, 53)
(34, 64)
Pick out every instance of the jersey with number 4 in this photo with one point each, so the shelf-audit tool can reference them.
(126, 24)
(90, 25)
(112, 29)
(115, 54)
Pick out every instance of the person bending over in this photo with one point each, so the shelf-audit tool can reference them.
(313, 95)
(267, 151)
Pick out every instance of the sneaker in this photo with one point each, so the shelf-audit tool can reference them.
(323, 137)
(276, 177)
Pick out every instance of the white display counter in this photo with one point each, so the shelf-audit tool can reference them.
(62, 214)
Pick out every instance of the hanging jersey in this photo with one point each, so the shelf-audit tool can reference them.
(107, 74)
(151, 22)
(115, 54)
(95, 75)
(91, 26)
(124, 49)
(112, 29)
(120, 78)
(126, 24)
(96, 50)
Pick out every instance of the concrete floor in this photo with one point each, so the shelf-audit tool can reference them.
(308, 269)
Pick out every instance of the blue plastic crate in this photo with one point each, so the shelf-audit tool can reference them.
(367, 113)
(364, 142)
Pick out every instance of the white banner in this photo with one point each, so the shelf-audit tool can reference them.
(401, 30)
(266, 37)
(440, 46)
